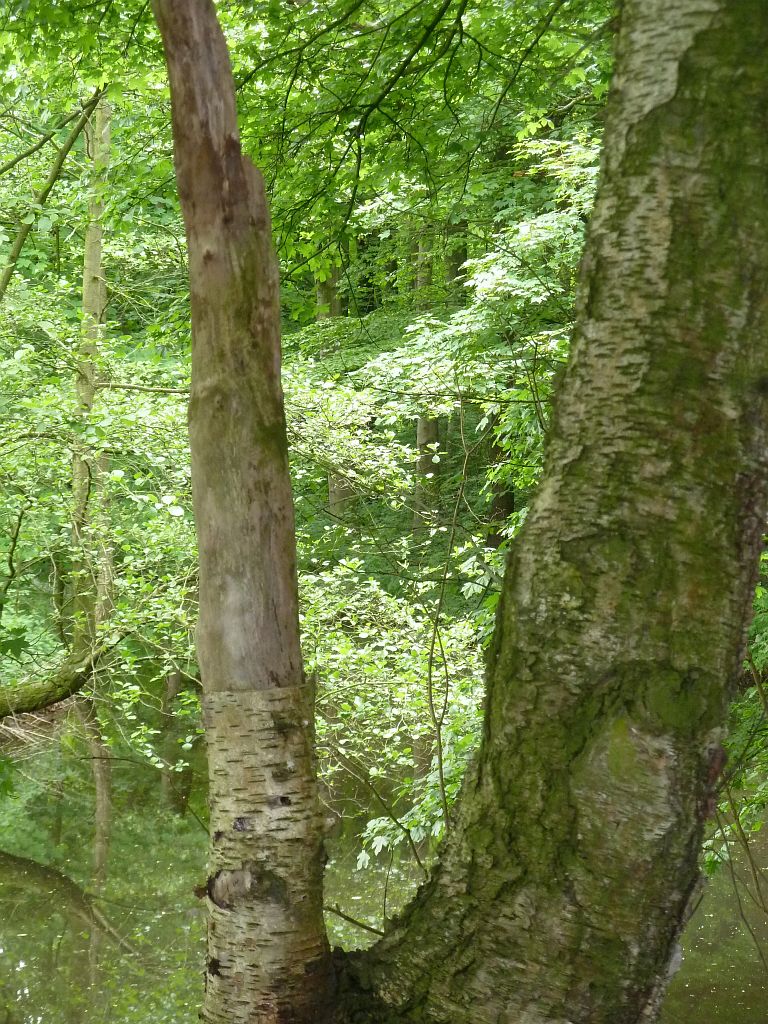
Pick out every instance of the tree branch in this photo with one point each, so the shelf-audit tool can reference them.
(12, 569)
(4, 168)
(36, 694)
(45, 191)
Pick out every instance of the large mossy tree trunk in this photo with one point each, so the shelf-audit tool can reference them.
(562, 889)
(268, 958)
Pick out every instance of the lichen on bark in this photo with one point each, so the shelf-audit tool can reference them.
(560, 893)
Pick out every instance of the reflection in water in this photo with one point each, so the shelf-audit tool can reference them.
(148, 967)
(723, 979)
(126, 951)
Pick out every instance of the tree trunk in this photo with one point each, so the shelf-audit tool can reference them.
(427, 427)
(502, 498)
(341, 494)
(92, 559)
(425, 492)
(176, 786)
(101, 770)
(268, 958)
(9, 265)
(327, 296)
(456, 256)
(423, 280)
(573, 855)
(91, 575)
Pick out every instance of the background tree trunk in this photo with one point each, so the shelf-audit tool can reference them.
(426, 491)
(175, 785)
(327, 295)
(566, 878)
(341, 494)
(92, 558)
(268, 958)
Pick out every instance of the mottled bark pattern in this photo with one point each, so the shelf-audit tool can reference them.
(561, 892)
(260, 805)
(257, 707)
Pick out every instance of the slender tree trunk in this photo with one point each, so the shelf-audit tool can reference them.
(268, 958)
(9, 266)
(341, 494)
(573, 856)
(175, 785)
(327, 296)
(92, 553)
(426, 491)
(502, 499)
(427, 427)
(102, 777)
(456, 256)
(101, 770)
(92, 558)
(423, 280)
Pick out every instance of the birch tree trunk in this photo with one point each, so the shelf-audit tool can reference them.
(573, 856)
(268, 958)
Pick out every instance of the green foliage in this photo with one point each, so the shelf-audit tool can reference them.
(430, 168)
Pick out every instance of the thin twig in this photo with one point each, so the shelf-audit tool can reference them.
(12, 567)
(358, 773)
(734, 883)
(745, 845)
(352, 920)
(45, 191)
(37, 145)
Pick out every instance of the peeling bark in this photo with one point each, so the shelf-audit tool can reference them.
(564, 884)
(268, 957)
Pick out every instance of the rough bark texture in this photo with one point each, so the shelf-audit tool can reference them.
(268, 958)
(562, 889)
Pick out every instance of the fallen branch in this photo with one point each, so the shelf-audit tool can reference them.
(36, 694)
